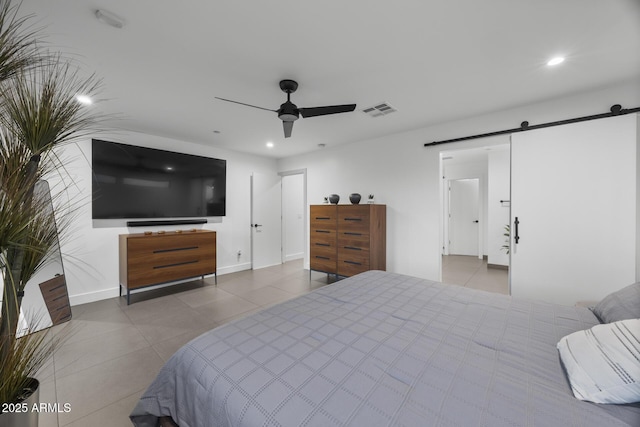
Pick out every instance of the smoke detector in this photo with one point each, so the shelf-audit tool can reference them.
(109, 18)
(381, 109)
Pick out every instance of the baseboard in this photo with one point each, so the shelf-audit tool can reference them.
(234, 268)
(88, 297)
(113, 292)
(498, 266)
(293, 257)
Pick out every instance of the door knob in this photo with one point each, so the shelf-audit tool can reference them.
(476, 221)
(256, 225)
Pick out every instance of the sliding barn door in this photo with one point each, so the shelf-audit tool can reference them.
(573, 210)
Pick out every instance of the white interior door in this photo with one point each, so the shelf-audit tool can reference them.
(573, 193)
(266, 222)
(464, 213)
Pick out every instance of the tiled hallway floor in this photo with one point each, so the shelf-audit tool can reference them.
(473, 272)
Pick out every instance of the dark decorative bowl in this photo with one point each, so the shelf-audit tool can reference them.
(334, 199)
(355, 198)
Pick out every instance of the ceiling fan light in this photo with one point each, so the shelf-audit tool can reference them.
(288, 117)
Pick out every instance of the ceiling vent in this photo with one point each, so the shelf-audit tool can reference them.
(378, 110)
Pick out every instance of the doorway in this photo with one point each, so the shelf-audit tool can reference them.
(475, 182)
(293, 215)
(278, 217)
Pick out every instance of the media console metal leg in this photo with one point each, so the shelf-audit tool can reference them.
(128, 297)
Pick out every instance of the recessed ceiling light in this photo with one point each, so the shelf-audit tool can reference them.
(555, 61)
(269, 144)
(84, 99)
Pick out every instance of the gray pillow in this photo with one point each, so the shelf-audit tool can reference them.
(620, 305)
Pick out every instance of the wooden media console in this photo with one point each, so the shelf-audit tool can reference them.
(148, 259)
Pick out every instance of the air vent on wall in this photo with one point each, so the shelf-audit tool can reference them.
(378, 110)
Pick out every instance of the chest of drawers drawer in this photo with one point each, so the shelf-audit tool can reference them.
(323, 217)
(353, 238)
(354, 218)
(324, 241)
(351, 266)
(324, 262)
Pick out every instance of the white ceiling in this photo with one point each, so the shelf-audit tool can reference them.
(434, 61)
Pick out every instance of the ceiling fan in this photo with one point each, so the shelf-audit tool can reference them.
(289, 112)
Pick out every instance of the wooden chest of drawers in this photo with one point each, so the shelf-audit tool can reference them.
(152, 259)
(348, 239)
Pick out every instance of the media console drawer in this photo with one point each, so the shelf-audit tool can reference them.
(153, 259)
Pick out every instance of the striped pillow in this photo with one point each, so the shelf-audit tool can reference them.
(603, 363)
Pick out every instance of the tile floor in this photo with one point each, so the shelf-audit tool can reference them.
(473, 272)
(113, 351)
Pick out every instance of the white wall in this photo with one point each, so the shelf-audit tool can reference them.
(91, 254)
(406, 176)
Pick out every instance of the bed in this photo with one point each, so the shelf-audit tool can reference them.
(381, 349)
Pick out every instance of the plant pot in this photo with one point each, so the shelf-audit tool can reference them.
(21, 413)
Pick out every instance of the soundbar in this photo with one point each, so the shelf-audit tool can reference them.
(166, 222)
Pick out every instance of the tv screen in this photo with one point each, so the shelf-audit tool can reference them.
(137, 182)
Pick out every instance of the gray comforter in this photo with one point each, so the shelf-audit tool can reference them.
(381, 349)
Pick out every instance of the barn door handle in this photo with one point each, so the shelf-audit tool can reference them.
(516, 236)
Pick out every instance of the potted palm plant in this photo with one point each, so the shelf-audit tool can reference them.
(38, 112)
(507, 233)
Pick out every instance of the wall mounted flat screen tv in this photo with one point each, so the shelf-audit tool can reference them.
(135, 182)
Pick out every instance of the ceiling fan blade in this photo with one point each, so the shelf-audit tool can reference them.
(288, 127)
(248, 105)
(323, 111)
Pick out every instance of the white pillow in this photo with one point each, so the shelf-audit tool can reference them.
(603, 363)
